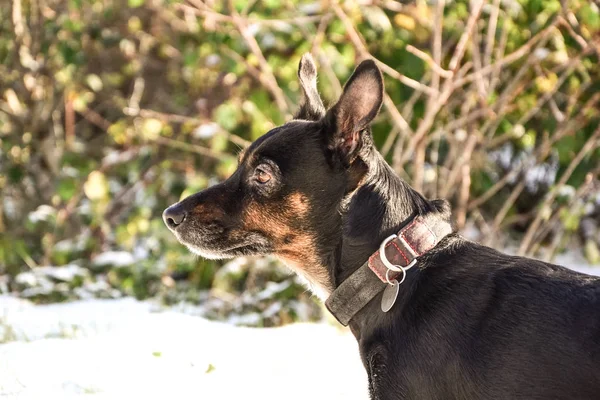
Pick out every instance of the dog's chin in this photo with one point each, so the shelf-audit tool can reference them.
(214, 248)
(238, 251)
(209, 254)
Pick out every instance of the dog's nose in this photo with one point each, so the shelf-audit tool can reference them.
(174, 216)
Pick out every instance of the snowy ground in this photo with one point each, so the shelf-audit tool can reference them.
(117, 349)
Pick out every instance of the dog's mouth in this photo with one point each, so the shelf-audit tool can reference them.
(223, 244)
(244, 250)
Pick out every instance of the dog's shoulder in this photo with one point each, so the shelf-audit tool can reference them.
(473, 258)
(480, 277)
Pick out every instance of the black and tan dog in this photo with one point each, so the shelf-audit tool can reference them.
(463, 321)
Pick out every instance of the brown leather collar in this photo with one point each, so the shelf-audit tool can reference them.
(419, 236)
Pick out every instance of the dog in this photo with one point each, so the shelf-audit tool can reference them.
(436, 316)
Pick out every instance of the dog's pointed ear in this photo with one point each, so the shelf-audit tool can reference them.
(311, 105)
(357, 107)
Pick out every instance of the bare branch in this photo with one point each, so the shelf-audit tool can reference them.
(462, 43)
(491, 33)
(591, 144)
(361, 47)
(175, 118)
(448, 86)
(266, 76)
(193, 148)
(429, 61)
(509, 59)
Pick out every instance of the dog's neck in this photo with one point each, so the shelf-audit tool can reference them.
(381, 205)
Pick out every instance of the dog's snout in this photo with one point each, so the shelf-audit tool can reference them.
(174, 216)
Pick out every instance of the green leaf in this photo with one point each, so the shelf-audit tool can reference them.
(590, 16)
(227, 115)
(66, 189)
(15, 173)
(135, 3)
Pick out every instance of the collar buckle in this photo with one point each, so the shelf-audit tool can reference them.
(383, 257)
(393, 267)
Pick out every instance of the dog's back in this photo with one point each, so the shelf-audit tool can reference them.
(480, 324)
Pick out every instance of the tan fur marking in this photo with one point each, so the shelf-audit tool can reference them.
(285, 224)
(263, 218)
(301, 257)
(298, 203)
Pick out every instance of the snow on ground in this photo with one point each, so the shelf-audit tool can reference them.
(117, 349)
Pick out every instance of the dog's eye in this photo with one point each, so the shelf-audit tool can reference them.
(261, 175)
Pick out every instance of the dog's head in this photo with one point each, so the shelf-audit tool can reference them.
(286, 195)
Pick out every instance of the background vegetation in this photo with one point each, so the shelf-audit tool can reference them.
(111, 110)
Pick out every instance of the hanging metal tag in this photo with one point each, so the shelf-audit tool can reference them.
(390, 294)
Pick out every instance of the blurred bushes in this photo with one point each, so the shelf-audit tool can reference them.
(111, 110)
